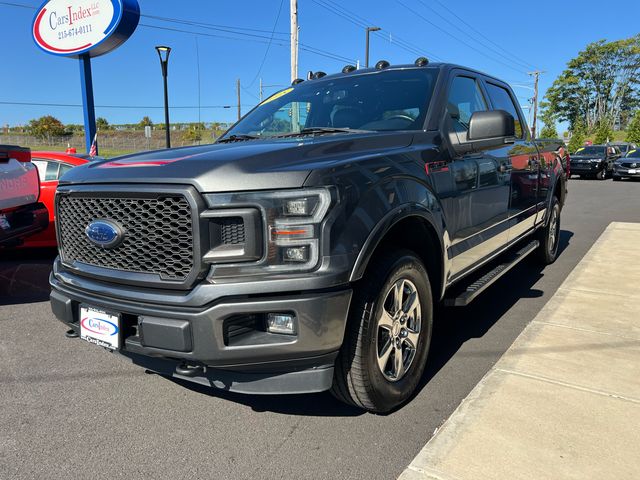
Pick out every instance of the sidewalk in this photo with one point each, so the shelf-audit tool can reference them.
(564, 400)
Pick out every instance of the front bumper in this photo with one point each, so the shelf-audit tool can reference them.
(626, 172)
(223, 343)
(586, 168)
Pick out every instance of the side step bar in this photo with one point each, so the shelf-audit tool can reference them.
(484, 282)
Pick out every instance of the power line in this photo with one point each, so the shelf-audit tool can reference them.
(264, 58)
(19, 5)
(484, 44)
(479, 32)
(210, 25)
(142, 107)
(426, 20)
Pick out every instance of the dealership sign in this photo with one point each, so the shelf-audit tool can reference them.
(74, 28)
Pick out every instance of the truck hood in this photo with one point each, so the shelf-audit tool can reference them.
(585, 157)
(239, 166)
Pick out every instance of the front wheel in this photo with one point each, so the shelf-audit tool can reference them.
(549, 236)
(388, 334)
(602, 174)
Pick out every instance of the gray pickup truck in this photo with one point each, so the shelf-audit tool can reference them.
(305, 250)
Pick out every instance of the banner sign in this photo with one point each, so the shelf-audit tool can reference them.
(72, 28)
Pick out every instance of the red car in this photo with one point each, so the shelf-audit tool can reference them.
(51, 166)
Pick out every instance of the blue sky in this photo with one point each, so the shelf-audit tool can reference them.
(506, 39)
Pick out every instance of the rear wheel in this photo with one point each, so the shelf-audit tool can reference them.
(388, 335)
(549, 236)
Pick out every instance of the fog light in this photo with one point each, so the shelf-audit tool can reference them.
(281, 323)
(295, 254)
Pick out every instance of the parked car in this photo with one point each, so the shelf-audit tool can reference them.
(624, 147)
(305, 250)
(628, 167)
(51, 166)
(594, 161)
(21, 214)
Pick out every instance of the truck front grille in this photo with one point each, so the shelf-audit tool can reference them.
(158, 234)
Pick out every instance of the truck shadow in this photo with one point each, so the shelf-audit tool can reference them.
(24, 275)
(453, 326)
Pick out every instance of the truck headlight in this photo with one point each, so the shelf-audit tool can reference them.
(292, 228)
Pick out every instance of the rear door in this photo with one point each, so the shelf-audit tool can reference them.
(477, 200)
(523, 158)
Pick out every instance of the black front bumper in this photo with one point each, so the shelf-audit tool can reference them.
(225, 343)
(586, 168)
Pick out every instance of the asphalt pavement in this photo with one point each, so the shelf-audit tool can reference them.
(71, 410)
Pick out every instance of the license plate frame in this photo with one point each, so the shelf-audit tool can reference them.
(100, 327)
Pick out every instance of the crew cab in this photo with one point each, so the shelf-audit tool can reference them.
(305, 250)
(20, 213)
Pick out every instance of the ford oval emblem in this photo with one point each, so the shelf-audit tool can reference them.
(104, 233)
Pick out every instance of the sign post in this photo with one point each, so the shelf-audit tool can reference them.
(84, 29)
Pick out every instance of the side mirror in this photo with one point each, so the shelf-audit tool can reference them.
(487, 125)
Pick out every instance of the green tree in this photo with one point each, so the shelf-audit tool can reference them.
(145, 122)
(603, 132)
(194, 132)
(600, 83)
(578, 136)
(46, 127)
(549, 131)
(102, 123)
(633, 131)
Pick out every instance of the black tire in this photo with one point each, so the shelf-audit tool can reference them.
(602, 174)
(358, 378)
(549, 235)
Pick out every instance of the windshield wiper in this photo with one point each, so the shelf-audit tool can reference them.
(237, 138)
(322, 130)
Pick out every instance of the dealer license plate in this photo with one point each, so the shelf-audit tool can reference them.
(632, 171)
(100, 327)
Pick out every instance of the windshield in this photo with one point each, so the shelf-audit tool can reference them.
(591, 150)
(380, 101)
(633, 154)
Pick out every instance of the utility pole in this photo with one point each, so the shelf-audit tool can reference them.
(366, 50)
(238, 94)
(294, 39)
(534, 125)
(295, 114)
(260, 89)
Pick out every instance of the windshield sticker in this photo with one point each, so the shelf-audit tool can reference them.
(276, 96)
(631, 151)
(579, 150)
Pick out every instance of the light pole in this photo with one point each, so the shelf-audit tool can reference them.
(163, 53)
(366, 54)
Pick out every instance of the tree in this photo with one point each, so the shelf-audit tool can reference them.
(549, 119)
(46, 127)
(603, 132)
(194, 132)
(549, 131)
(578, 135)
(145, 122)
(599, 85)
(102, 123)
(633, 131)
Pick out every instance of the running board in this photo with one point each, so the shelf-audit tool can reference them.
(484, 282)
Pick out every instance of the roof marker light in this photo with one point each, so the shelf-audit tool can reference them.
(421, 62)
(382, 64)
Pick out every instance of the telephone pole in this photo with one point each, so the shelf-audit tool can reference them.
(294, 39)
(238, 94)
(534, 125)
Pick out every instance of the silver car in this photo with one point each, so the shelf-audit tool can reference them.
(627, 166)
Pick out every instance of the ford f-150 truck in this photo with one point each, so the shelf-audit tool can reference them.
(305, 250)
(20, 213)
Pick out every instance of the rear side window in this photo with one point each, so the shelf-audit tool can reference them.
(465, 98)
(64, 168)
(502, 100)
(47, 170)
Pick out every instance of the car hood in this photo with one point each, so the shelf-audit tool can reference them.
(239, 166)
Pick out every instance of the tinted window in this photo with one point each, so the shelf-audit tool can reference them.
(64, 168)
(634, 153)
(591, 150)
(48, 171)
(386, 100)
(501, 100)
(465, 98)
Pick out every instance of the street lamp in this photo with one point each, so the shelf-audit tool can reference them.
(366, 55)
(163, 53)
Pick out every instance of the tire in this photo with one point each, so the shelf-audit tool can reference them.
(549, 235)
(368, 373)
(617, 178)
(602, 174)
